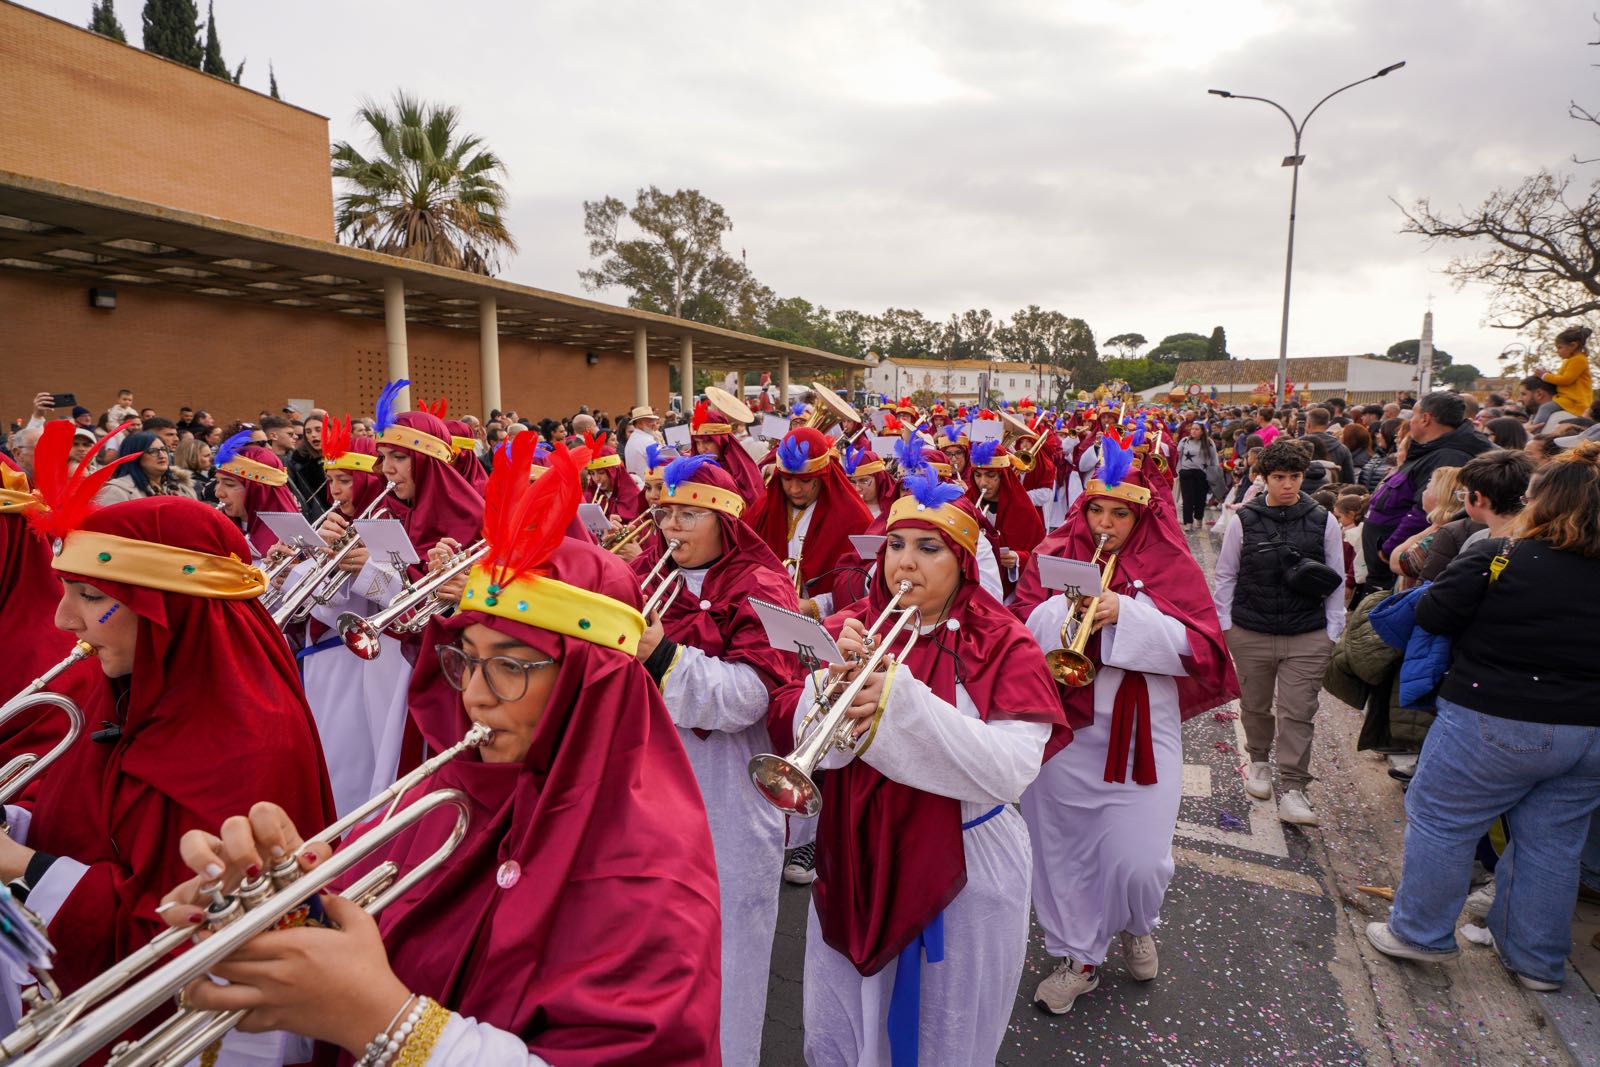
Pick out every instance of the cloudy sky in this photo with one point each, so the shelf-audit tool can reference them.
(945, 155)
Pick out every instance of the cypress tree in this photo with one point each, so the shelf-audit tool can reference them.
(172, 29)
(213, 63)
(272, 81)
(103, 20)
(1217, 347)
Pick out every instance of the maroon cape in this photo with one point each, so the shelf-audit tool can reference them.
(466, 462)
(259, 497)
(839, 513)
(443, 504)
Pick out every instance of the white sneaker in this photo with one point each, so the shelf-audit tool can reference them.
(1480, 900)
(1293, 807)
(1139, 953)
(1384, 940)
(1258, 783)
(1057, 993)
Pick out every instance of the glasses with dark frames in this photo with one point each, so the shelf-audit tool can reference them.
(507, 677)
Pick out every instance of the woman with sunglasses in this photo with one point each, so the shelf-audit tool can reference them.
(152, 475)
(945, 741)
(576, 923)
(709, 653)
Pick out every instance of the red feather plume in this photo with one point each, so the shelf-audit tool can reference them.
(439, 408)
(336, 438)
(524, 520)
(68, 497)
(701, 416)
(891, 424)
(1123, 439)
(594, 442)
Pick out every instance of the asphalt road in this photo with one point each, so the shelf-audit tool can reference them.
(1261, 955)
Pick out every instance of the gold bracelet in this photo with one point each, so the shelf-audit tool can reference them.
(419, 1045)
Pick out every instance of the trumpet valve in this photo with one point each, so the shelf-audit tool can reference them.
(223, 909)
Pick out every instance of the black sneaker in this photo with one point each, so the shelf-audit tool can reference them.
(802, 866)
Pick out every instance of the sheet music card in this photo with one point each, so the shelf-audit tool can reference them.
(867, 545)
(1072, 576)
(594, 519)
(883, 447)
(790, 631)
(773, 427)
(879, 418)
(290, 526)
(985, 430)
(678, 437)
(386, 540)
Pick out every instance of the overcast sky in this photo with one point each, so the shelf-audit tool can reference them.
(990, 154)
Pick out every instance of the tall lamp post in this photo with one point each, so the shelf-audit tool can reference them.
(1295, 161)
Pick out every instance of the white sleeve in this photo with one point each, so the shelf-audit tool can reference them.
(18, 819)
(989, 570)
(467, 1043)
(824, 603)
(1333, 551)
(928, 744)
(1089, 460)
(46, 898)
(1227, 572)
(377, 582)
(1143, 639)
(706, 693)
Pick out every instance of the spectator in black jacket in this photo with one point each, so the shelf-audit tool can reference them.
(306, 476)
(1518, 732)
(1318, 420)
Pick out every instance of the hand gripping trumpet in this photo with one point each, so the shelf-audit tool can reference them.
(667, 583)
(616, 540)
(67, 1031)
(409, 612)
(323, 582)
(1070, 665)
(786, 781)
(15, 775)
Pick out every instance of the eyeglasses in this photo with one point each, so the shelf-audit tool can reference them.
(158, 450)
(682, 518)
(1463, 494)
(507, 677)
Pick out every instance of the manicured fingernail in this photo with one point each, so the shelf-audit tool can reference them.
(309, 856)
(196, 919)
(253, 871)
(277, 852)
(213, 870)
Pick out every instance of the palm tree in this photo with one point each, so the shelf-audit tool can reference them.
(431, 192)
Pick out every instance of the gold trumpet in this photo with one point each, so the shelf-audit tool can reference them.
(787, 782)
(1069, 665)
(617, 540)
(667, 584)
(15, 775)
(408, 612)
(1026, 457)
(72, 1028)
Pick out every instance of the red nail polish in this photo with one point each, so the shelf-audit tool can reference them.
(253, 871)
(196, 919)
(309, 856)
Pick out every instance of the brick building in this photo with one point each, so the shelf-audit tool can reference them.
(172, 233)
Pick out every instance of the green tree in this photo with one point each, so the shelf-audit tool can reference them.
(1138, 373)
(1127, 345)
(212, 62)
(1410, 351)
(431, 192)
(103, 20)
(1459, 375)
(1217, 346)
(172, 29)
(1179, 348)
(272, 82)
(676, 265)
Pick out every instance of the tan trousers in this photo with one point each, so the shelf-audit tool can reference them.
(1293, 666)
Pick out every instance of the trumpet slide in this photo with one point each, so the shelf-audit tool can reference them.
(19, 771)
(1069, 664)
(661, 586)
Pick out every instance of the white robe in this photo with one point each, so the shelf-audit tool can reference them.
(966, 1000)
(730, 700)
(1102, 851)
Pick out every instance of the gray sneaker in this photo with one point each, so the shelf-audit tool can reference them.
(1384, 940)
(1057, 993)
(1480, 900)
(1293, 807)
(1258, 783)
(1139, 953)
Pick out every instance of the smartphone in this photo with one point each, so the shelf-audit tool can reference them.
(63, 400)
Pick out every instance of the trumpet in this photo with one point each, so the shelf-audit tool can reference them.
(409, 612)
(298, 550)
(667, 583)
(787, 781)
(616, 540)
(70, 1029)
(1155, 450)
(1069, 665)
(323, 582)
(16, 774)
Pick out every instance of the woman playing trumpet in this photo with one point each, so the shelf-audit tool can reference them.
(1101, 815)
(709, 654)
(946, 741)
(577, 921)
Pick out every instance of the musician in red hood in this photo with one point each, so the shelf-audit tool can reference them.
(711, 433)
(1101, 815)
(998, 494)
(610, 485)
(808, 514)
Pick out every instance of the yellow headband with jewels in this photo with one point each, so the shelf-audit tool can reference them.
(15, 494)
(711, 429)
(872, 467)
(153, 566)
(944, 470)
(558, 607)
(699, 494)
(352, 461)
(600, 463)
(812, 466)
(249, 470)
(947, 518)
(1124, 491)
(399, 436)
(463, 444)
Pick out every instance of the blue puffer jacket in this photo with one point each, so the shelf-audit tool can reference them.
(1427, 656)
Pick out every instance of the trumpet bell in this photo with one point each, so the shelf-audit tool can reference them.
(1070, 667)
(786, 786)
(360, 636)
(831, 409)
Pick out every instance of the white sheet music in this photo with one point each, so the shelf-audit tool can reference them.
(867, 545)
(1073, 576)
(790, 631)
(384, 537)
(773, 427)
(678, 437)
(289, 526)
(883, 447)
(985, 430)
(593, 517)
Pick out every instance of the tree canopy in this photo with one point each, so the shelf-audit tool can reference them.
(1458, 375)
(1410, 351)
(1179, 348)
(1127, 345)
(172, 29)
(103, 20)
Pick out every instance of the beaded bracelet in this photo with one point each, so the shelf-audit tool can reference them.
(381, 1049)
(418, 1044)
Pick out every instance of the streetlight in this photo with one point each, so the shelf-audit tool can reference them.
(1295, 161)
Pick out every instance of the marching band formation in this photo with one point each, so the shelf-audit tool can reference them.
(513, 761)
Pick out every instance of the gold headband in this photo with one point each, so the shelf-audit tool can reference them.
(351, 461)
(600, 463)
(711, 429)
(251, 471)
(399, 436)
(711, 496)
(554, 605)
(155, 566)
(947, 518)
(464, 444)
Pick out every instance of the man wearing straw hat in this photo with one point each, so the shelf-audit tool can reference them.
(646, 431)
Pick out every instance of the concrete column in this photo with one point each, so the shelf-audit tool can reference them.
(641, 368)
(489, 354)
(783, 384)
(686, 373)
(394, 330)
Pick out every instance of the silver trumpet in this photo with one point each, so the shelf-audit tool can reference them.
(323, 582)
(16, 774)
(409, 612)
(298, 550)
(70, 1029)
(786, 781)
(667, 584)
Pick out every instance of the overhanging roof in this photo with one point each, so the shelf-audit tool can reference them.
(47, 228)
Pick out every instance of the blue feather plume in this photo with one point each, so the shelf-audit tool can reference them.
(656, 455)
(983, 453)
(929, 490)
(797, 409)
(231, 446)
(386, 411)
(952, 431)
(908, 454)
(1115, 462)
(852, 459)
(793, 454)
(682, 470)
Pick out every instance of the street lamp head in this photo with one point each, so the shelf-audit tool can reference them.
(1390, 69)
(1219, 92)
